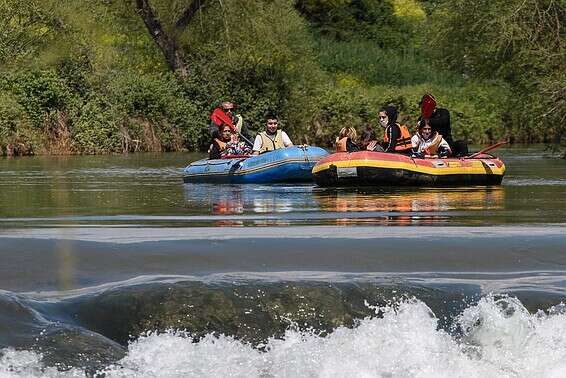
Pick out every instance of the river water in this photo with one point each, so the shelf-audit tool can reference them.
(111, 266)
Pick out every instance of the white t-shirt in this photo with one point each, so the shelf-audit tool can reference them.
(258, 141)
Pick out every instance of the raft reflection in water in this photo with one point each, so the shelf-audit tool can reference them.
(408, 206)
(237, 205)
(240, 205)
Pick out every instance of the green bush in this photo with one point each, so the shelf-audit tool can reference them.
(39, 92)
(93, 72)
(95, 128)
(161, 101)
(16, 133)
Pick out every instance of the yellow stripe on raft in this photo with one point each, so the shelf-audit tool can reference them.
(477, 167)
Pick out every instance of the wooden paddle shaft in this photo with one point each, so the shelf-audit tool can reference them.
(487, 149)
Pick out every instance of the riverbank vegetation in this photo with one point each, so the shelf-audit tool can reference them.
(142, 75)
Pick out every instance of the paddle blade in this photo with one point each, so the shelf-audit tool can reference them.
(219, 117)
(428, 104)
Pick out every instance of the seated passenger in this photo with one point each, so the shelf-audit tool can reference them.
(426, 143)
(219, 143)
(396, 137)
(272, 138)
(236, 147)
(345, 141)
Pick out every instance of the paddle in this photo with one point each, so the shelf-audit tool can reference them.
(487, 149)
(428, 104)
(218, 117)
(249, 142)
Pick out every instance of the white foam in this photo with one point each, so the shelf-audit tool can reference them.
(500, 339)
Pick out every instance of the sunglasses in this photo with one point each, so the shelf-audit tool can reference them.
(382, 117)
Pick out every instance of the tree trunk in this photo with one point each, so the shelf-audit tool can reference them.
(167, 44)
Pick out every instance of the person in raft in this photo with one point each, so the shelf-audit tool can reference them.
(218, 146)
(236, 147)
(427, 142)
(438, 118)
(345, 141)
(228, 144)
(396, 137)
(225, 114)
(272, 138)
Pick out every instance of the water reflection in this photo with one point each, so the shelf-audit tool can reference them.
(277, 204)
(411, 200)
(408, 206)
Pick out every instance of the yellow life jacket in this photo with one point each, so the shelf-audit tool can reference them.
(268, 144)
(341, 144)
(403, 142)
(239, 123)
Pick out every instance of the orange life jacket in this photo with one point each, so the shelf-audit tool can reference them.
(341, 144)
(403, 143)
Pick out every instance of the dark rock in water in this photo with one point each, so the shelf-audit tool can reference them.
(252, 312)
(68, 348)
(28, 325)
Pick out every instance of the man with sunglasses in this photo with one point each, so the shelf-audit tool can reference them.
(272, 138)
(226, 114)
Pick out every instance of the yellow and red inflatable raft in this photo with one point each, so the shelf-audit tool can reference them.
(381, 168)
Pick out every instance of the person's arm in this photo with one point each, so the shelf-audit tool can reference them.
(286, 141)
(257, 145)
(415, 143)
(444, 149)
(214, 152)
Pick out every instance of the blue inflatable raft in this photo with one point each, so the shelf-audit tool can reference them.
(292, 164)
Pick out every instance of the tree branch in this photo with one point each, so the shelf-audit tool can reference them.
(188, 14)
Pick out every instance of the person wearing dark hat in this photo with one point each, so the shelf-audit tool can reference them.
(438, 118)
(396, 137)
(272, 138)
